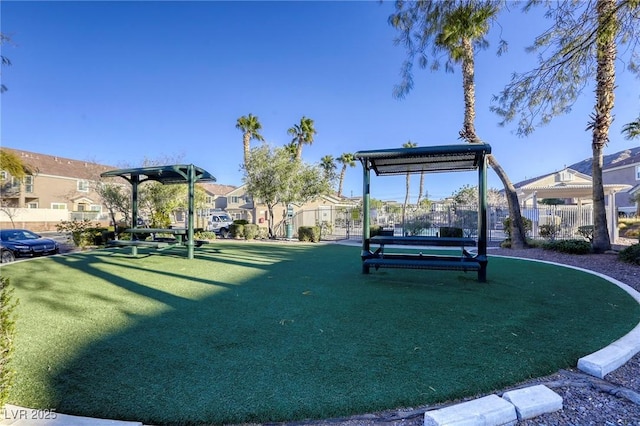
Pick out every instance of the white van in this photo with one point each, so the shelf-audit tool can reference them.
(219, 222)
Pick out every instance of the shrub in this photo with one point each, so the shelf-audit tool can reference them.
(586, 231)
(568, 246)
(205, 235)
(506, 224)
(549, 232)
(263, 233)
(630, 254)
(241, 222)
(450, 231)
(251, 231)
(82, 231)
(237, 230)
(374, 230)
(7, 325)
(309, 233)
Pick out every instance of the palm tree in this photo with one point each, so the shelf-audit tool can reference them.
(328, 165)
(407, 144)
(458, 29)
(632, 130)
(250, 127)
(302, 134)
(347, 160)
(12, 164)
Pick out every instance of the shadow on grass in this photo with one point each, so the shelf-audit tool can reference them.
(270, 332)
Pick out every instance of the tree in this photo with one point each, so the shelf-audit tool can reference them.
(458, 29)
(328, 165)
(117, 200)
(347, 160)
(579, 47)
(407, 144)
(632, 130)
(303, 134)
(250, 127)
(272, 178)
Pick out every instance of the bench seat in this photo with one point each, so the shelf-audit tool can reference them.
(453, 265)
(137, 243)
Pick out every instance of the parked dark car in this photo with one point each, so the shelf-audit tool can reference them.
(22, 243)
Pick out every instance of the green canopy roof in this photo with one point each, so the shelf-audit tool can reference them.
(429, 159)
(178, 173)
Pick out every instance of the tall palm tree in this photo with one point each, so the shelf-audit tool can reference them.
(632, 130)
(458, 29)
(328, 165)
(347, 160)
(250, 127)
(407, 144)
(303, 134)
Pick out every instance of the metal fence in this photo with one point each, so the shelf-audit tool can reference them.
(346, 223)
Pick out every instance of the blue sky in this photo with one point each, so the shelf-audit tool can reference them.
(115, 82)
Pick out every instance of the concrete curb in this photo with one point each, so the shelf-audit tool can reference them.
(516, 405)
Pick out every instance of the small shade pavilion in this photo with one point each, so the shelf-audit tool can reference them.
(431, 159)
(166, 175)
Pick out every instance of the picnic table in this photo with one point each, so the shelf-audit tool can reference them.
(156, 242)
(383, 258)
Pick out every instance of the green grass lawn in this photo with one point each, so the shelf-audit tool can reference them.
(274, 332)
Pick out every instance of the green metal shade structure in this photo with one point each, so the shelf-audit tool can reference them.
(166, 175)
(430, 159)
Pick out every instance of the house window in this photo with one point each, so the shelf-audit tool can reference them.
(209, 199)
(3, 175)
(32, 205)
(59, 206)
(235, 200)
(96, 208)
(28, 184)
(83, 185)
(637, 172)
(566, 176)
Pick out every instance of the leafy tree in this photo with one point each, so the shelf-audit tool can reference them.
(457, 29)
(580, 47)
(303, 134)
(272, 178)
(117, 199)
(250, 127)
(467, 195)
(632, 130)
(347, 160)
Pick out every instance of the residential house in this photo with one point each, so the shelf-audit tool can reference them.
(622, 167)
(61, 188)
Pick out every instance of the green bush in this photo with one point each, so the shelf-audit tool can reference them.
(7, 325)
(549, 232)
(450, 231)
(237, 230)
(241, 222)
(251, 231)
(630, 254)
(309, 233)
(205, 235)
(374, 230)
(83, 232)
(263, 233)
(568, 246)
(506, 224)
(586, 231)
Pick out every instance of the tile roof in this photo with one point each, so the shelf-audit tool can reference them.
(217, 189)
(60, 166)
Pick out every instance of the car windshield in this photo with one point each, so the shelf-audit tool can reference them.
(17, 234)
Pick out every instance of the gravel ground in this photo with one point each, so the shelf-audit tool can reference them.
(586, 400)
